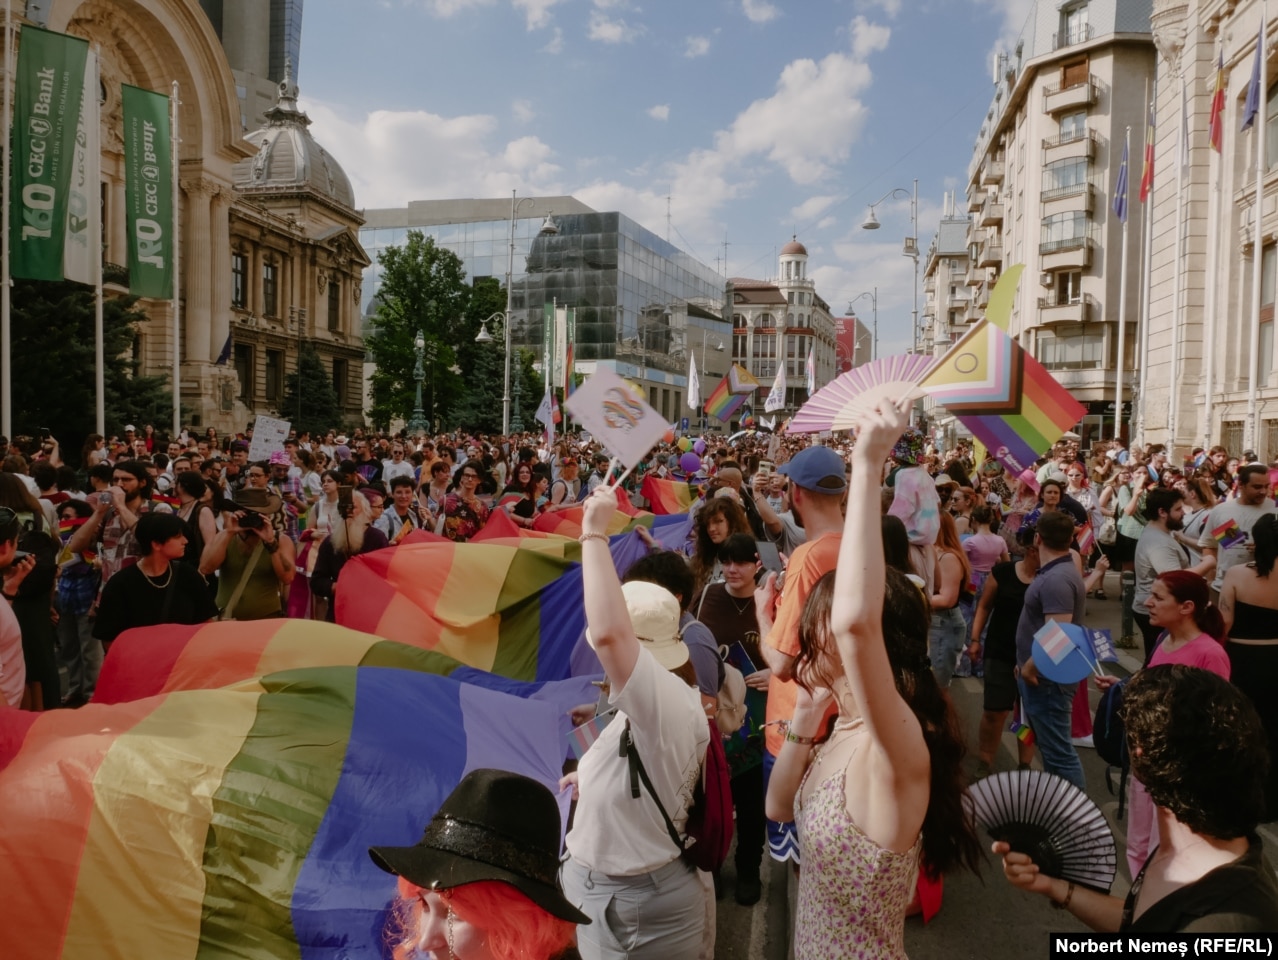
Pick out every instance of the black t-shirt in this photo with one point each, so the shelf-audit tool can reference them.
(1000, 634)
(1238, 897)
(130, 599)
(526, 508)
(731, 620)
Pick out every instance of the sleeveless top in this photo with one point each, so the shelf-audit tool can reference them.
(1252, 622)
(852, 893)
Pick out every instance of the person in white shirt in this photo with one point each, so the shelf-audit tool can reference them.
(644, 900)
(1233, 546)
(397, 466)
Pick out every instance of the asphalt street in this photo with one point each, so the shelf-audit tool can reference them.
(981, 917)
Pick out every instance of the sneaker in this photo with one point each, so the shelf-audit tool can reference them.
(749, 890)
(1100, 595)
(1086, 741)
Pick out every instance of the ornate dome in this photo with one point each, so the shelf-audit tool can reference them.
(288, 158)
(794, 247)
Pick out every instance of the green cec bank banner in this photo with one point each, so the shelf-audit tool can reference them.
(49, 88)
(148, 193)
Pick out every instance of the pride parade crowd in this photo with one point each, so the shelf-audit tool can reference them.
(903, 567)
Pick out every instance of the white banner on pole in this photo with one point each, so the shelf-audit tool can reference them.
(83, 238)
(626, 426)
(776, 396)
(269, 435)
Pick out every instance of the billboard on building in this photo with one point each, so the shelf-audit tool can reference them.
(844, 344)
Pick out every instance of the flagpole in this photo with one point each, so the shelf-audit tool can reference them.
(96, 253)
(1122, 295)
(6, 281)
(174, 141)
(1182, 153)
(1210, 327)
(1148, 228)
(1258, 131)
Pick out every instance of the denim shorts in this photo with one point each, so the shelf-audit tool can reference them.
(946, 641)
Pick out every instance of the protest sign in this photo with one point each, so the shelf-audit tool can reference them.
(269, 435)
(626, 426)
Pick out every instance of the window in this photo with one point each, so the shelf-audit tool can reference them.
(244, 370)
(270, 289)
(1231, 436)
(765, 346)
(1074, 25)
(334, 306)
(1073, 126)
(789, 346)
(1074, 74)
(1063, 230)
(239, 280)
(274, 375)
(340, 373)
(1078, 346)
(790, 297)
(1064, 178)
(1271, 129)
(740, 346)
(1068, 288)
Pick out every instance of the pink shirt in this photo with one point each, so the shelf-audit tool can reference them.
(984, 550)
(1202, 651)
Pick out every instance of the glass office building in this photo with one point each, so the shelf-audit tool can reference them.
(641, 306)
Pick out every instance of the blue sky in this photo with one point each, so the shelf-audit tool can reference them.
(757, 118)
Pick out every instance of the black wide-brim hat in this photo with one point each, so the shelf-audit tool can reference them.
(494, 826)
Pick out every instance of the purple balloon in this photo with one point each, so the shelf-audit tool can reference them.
(690, 463)
(699, 447)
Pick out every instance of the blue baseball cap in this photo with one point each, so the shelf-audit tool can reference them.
(816, 468)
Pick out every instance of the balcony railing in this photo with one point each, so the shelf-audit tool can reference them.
(1068, 243)
(1071, 36)
(1057, 98)
(1069, 190)
(115, 273)
(992, 172)
(1064, 139)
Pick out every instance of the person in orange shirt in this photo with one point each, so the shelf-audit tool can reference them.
(818, 484)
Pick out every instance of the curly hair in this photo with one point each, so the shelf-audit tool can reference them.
(1197, 744)
(949, 836)
(706, 551)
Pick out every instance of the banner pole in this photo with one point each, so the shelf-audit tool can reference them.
(6, 281)
(174, 141)
(95, 244)
(1119, 367)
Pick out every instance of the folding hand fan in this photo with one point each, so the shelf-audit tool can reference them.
(842, 402)
(1051, 820)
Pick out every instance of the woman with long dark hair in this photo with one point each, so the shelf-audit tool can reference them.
(863, 643)
(718, 519)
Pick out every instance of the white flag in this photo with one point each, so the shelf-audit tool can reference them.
(544, 411)
(616, 417)
(776, 396)
(811, 370)
(83, 236)
(694, 384)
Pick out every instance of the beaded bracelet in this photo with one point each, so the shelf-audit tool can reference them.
(592, 536)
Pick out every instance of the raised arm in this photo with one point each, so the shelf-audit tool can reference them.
(611, 633)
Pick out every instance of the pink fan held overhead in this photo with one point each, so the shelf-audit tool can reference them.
(842, 402)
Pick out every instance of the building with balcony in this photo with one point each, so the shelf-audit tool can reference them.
(777, 322)
(642, 307)
(950, 303)
(1039, 191)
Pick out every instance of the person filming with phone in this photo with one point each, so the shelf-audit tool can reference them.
(252, 555)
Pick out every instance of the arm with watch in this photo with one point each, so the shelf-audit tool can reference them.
(796, 753)
(1099, 911)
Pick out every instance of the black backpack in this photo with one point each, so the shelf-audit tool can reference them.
(1109, 735)
(33, 539)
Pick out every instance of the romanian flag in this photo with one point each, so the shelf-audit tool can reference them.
(1147, 174)
(723, 403)
(234, 822)
(1216, 119)
(667, 496)
(1003, 396)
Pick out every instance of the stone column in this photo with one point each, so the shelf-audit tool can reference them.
(220, 305)
(197, 289)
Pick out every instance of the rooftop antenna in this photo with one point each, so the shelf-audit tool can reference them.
(725, 253)
(667, 218)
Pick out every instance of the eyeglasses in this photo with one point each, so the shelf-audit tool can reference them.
(470, 476)
(257, 475)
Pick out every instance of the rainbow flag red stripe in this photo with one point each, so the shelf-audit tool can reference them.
(667, 496)
(723, 403)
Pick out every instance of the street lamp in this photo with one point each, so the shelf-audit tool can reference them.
(911, 248)
(417, 424)
(874, 305)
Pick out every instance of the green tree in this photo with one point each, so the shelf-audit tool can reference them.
(478, 405)
(53, 365)
(423, 288)
(316, 409)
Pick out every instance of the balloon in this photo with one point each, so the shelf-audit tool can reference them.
(668, 436)
(685, 444)
(699, 447)
(690, 463)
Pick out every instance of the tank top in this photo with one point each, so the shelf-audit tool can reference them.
(1252, 622)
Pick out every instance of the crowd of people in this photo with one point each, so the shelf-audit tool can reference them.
(901, 567)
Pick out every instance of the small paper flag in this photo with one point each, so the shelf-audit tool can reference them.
(1228, 534)
(580, 738)
(1103, 646)
(1056, 643)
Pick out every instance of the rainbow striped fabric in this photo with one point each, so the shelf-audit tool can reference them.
(723, 403)
(667, 496)
(1228, 534)
(233, 822)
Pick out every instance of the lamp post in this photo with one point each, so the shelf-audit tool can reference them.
(874, 306)
(417, 424)
(911, 248)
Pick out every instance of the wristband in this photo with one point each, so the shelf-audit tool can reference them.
(795, 738)
(592, 536)
(271, 547)
(1064, 904)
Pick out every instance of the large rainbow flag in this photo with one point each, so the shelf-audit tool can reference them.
(723, 403)
(667, 496)
(233, 822)
(1003, 395)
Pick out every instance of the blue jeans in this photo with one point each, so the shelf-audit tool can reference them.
(1049, 707)
(946, 641)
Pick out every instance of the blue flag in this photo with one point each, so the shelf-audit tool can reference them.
(1120, 189)
(1252, 106)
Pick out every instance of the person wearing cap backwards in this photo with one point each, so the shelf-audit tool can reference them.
(644, 900)
(818, 482)
(481, 884)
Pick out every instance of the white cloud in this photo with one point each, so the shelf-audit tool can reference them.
(868, 38)
(536, 12)
(660, 112)
(811, 207)
(759, 11)
(449, 8)
(556, 43)
(1015, 13)
(606, 30)
(825, 223)
(890, 8)
(523, 111)
(696, 47)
